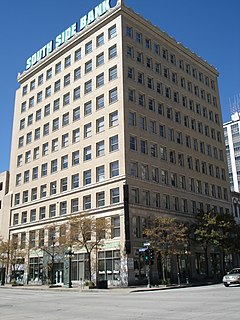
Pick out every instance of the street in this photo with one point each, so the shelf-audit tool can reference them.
(206, 303)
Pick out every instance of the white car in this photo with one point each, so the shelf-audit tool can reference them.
(232, 277)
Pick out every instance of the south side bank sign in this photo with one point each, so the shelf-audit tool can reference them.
(86, 20)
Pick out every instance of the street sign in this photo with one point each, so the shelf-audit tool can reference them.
(142, 249)
(146, 244)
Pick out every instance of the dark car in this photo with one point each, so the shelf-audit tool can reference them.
(232, 277)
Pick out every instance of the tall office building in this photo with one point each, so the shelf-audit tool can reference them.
(232, 142)
(117, 120)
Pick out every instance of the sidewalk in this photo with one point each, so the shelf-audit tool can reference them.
(110, 289)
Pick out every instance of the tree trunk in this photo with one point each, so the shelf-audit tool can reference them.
(206, 261)
(89, 266)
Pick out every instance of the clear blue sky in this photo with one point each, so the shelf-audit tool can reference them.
(211, 28)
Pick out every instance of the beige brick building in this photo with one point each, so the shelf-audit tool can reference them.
(120, 121)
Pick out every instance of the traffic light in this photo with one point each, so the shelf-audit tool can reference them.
(147, 257)
(151, 256)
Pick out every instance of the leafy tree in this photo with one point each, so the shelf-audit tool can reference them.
(215, 230)
(167, 237)
(88, 233)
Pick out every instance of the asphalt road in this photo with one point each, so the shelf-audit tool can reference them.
(206, 303)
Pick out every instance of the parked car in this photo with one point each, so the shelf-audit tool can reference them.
(232, 277)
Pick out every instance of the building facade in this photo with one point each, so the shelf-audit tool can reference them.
(232, 142)
(119, 122)
(4, 205)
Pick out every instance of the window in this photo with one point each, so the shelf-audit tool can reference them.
(75, 181)
(100, 102)
(52, 210)
(35, 153)
(46, 129)
(64, 162)
(67, 61)
(88, 66)
(45, 149)
(43, 191)
(15, 219)
(25, 196)
(54, 165)
(100, 59)
(88, 108)
(26, 176)
(112, 32)
(76, 114)
(87, 202)
(63, 208)
(75, 158)
(87, 177)
(76, 93)
(31, 102)
(23, 106)
(78, 55)
(115, 227)
(55, 125)
(67, 80)
(27, 156)
(100, 40)
(58, 68)
(133, 143)
(113, 143)
(100, 149)
(77, 73)
(47, 110)
(44, 170)
(87, 153)
(49, 74)
(65, 140)
(88, 47)
(100, 175)
(113, 73)
(114, 169)
(74, 205)
(88, 130)
(48, 92)
(56, 104)
(66, 99)
(88, 86)
(134, 169)
(100, 199)
(113, 119)
(42, 213)
(100, 125)
(63, 184)
(112, 52)
(65, 119)
(113, 95)
(114, 195)
(40, 79)
(33, 215)
(100, 80)
(76, 135)
(39, 97)
(53, 187)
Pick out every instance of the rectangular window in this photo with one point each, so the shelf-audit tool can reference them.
(75, 181)
(67, 61)
(112, 32)
(114, 195)
(113, 95)
(87, 202)
(88, 47)
(100, 175)
(77, 73)
(87, 177)
(113, 143)
(114, 169)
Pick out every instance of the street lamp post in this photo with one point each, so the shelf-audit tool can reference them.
(69, 255)
(186, 251)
